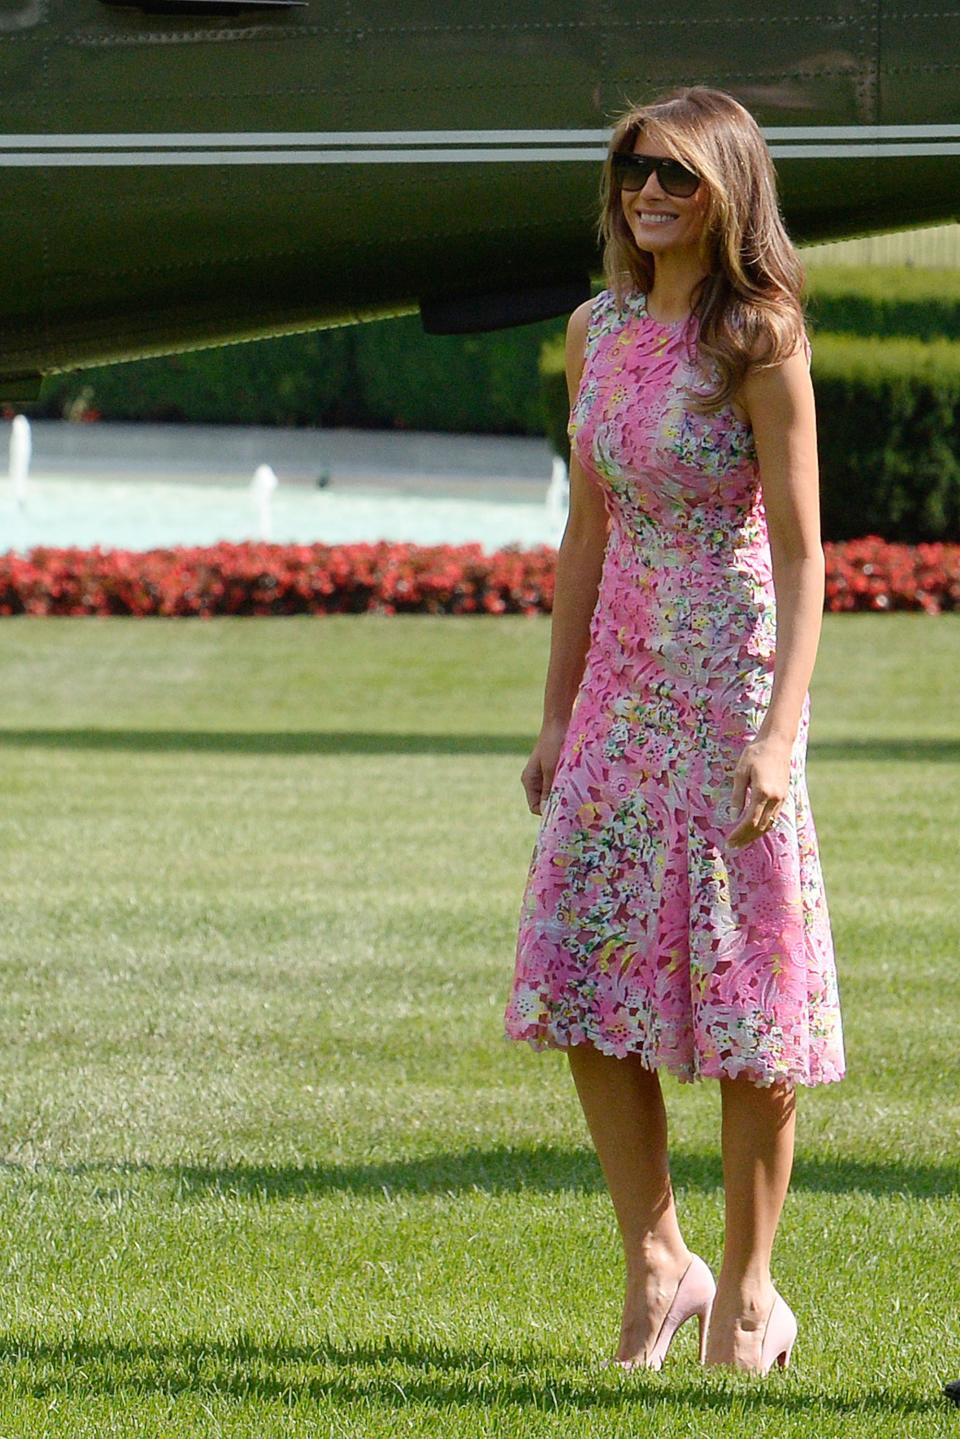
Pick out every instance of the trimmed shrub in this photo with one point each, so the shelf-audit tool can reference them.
(885, 300)
(887, 423)
(381, 374)
(887, 407)
(388, 373)
(554, 396)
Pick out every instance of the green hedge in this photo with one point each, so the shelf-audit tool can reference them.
(381, 374)
(555, 396)
(885, 301)
(888, 419)
(388, 373)
(888, 407)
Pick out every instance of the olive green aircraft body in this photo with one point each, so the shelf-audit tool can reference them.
(180, 174)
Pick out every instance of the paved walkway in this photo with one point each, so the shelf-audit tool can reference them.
(470, 466)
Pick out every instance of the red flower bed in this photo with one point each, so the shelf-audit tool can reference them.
(389, 578)
(873, 574)
(269, 579)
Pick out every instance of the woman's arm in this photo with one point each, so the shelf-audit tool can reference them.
(579, 559)
(780, 404)
(579, 567)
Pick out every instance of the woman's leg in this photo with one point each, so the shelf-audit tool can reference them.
(625, 1114)
(757, 1136)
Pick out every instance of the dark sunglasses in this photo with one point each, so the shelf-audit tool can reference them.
(632, 172)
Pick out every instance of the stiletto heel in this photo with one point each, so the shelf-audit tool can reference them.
(704, 1318)
(694, 1296)
(779, 1336)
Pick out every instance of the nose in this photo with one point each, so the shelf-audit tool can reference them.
(654, 193)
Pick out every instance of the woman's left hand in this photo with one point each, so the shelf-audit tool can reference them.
(764, 767)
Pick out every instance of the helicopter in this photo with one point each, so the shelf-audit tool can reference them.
(186, 173)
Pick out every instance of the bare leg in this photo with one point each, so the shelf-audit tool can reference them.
(625, 1114)
(758, 1131)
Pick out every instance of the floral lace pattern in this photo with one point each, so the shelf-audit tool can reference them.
(641, 929)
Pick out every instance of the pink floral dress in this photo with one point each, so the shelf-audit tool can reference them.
(641, 929)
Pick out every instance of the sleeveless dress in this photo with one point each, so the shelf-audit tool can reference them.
(641, 930)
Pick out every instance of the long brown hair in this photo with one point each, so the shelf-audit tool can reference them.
(750, 304)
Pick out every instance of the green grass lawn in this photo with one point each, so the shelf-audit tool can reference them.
(268, 1167)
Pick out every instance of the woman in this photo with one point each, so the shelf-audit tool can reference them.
(674, 914)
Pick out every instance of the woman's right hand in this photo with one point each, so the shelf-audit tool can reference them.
(537, 776)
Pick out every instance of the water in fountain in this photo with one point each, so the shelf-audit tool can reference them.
(558, 497)
(263, 485)
(20, 446)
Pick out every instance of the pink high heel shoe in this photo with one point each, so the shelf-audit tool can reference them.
(778, 1336)
(694, 1296)
(776, 1345)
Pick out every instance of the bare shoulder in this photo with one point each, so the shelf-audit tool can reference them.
(579, 321)
(778, 386)
(576, 343)
(775, 379)
(577, 326)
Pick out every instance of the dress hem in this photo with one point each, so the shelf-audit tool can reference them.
(762, 1077)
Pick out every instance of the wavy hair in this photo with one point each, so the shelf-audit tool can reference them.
(750, 304)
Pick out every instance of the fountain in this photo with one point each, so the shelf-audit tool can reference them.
(558, 497)
(263, 485)
(20, 447)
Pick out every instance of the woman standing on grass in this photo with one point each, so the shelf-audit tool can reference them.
(674, 913)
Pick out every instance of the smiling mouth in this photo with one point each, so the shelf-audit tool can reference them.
(658, 217)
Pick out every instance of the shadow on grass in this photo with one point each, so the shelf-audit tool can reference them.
(500, 1169)
(398, 1373)
(283, 742)
(548, 1169)
(350, 742)
(924, 751)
